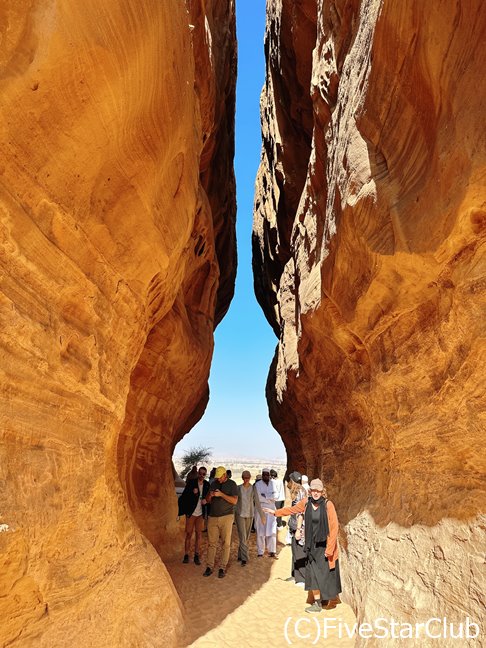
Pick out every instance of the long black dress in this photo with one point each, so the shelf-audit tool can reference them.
(318, 575)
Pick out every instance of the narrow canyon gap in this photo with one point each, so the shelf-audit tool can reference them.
(369, 263)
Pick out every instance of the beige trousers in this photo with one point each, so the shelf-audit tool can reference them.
(219, 527)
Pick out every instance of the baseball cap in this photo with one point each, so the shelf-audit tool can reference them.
(295, 477)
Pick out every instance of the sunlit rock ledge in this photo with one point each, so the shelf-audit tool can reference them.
(117, 259)
(369, 261)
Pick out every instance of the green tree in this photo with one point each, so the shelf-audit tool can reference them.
(193, 457)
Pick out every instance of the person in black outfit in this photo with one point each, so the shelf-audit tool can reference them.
(192, 503)
(322, 576)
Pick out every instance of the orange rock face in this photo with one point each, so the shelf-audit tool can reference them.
(117, 259)
(370, 265)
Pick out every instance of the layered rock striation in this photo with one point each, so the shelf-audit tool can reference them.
(117, 260)
(370, 265)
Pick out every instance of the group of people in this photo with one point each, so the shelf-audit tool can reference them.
(312, 527)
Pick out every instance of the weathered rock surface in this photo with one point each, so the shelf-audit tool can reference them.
(370, 265)
(117, 259)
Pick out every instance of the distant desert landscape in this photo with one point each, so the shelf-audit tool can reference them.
(238, 464)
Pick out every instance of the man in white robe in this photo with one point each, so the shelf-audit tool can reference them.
(266, 532)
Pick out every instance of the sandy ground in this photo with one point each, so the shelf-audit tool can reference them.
(253, 604)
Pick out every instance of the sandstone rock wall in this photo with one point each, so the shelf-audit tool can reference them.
(117, 259)
(369, 261)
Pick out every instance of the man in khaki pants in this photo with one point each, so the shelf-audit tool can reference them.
(222, 496)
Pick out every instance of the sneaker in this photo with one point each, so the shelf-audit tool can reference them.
(221, 573)
(243, 563)
(260, 556)
(273, 555)
(185, 559)
(239, 559)
(196, 559)
(300, 585)
(315, 607)
(208, 571)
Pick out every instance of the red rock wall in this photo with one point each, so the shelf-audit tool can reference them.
(369, 259)
(117, 259)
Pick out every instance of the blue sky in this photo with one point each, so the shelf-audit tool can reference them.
(236, 420)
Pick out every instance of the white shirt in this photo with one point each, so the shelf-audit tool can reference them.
(246, 495)
(198, 509)
(266, 493)
(279, 489)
